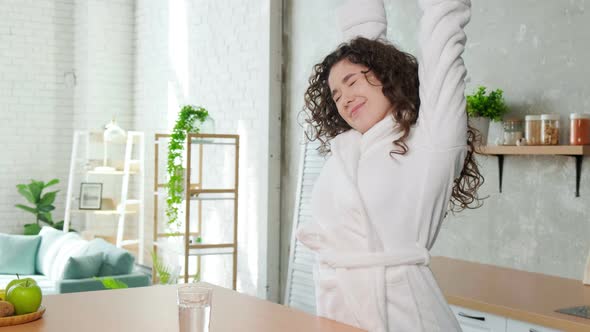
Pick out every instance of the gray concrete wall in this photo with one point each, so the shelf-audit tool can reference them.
(536, 51)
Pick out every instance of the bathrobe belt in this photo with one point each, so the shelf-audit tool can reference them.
(352, 270)
(417, 255)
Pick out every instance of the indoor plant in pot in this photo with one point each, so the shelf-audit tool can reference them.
(42, 204)
(483, 107)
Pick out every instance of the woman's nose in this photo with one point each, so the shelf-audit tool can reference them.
(347, 99)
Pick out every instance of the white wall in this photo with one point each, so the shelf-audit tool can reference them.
(214, 54)
(36, 101)
(140, 60)
(104, 59)
(104, 65)
(310, 33)
(66, 65)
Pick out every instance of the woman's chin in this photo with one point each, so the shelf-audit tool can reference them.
(362, 128)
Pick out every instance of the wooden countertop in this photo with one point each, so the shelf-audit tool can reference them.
(520, 295)
(154, 308)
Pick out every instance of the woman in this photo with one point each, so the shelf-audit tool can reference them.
(400, 153)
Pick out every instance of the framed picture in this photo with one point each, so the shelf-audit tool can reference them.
(90, 196)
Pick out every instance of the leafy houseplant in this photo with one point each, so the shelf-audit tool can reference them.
(166, 274)
(42, 204)
(491, 106)
(186, 123)
(482, 107)
(162, 271)
(112, 283)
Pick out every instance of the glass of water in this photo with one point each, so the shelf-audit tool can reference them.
(194, 308)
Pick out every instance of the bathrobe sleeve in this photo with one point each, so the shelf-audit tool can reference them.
(364, 18)
(442, 71)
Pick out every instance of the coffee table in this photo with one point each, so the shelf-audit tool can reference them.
(154, 309)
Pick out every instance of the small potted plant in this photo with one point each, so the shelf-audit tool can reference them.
(42, 204)
(483, 107)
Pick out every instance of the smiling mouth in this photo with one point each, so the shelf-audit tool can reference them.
(355, 109)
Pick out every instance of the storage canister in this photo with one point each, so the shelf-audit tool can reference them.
(532, 130)
(512, 131)
(550, 129)
(579, 128)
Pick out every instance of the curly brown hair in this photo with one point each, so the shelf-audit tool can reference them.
(398, 73)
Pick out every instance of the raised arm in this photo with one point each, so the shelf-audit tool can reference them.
(442, 71)
(365, 18)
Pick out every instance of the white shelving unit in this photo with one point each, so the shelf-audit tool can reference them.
(130, 199)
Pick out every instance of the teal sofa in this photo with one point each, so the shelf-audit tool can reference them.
(65, 263)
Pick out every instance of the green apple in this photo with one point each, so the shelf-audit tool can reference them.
(18, 281)
(25, 297)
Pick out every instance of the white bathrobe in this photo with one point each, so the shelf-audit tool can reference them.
(375, 217)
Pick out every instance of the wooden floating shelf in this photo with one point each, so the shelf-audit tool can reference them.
(564, 150)
(576, 151)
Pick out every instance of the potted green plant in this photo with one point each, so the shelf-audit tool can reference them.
(42, 204)
(189, 120)
(483, 107)
(165, 273)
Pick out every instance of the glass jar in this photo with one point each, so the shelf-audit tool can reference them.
(512, 131)
(579, 128)
(550, 129)
(532, 130)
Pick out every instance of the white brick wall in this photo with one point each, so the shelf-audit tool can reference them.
(140, 61)
(60, 69)
(214, 54)
(104, 66)
(104, 47)
(36, 103)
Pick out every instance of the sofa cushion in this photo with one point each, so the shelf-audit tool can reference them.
(134, 279)
(81, 267)
(71, 244)
(18, 253)
(116, 261)
(48, 248)
(47, 286)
